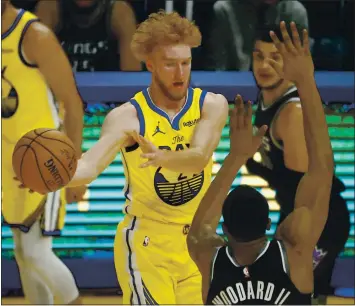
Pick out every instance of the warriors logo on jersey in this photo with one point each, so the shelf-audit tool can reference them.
(9, 97)
(160, 193)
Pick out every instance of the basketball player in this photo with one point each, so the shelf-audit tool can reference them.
(249, 269)
(285, 159)
(177, 129)
(32, 63)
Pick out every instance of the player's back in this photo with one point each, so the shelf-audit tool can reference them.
(265, 282)
(26, 101)
(157, 193)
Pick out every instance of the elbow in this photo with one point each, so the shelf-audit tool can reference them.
(202, 160)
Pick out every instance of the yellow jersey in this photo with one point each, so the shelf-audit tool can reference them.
(26, 100)
(157, 193)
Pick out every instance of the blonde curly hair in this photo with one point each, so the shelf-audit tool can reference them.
(164, 29)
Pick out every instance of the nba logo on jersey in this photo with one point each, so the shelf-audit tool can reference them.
(146, 241)
(246, 272)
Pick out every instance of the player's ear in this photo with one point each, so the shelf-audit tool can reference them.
(149, 64)
(268, 226)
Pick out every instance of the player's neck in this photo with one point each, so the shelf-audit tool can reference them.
(8, 17)
(270, 96)
(163, 102)
(245, 253)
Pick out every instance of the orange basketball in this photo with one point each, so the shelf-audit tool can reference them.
(44, 160)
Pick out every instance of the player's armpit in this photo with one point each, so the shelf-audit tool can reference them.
(204, 140)
(114, 136)
(289, 128)
(41, 48)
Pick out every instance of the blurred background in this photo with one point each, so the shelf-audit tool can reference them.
(88, 33)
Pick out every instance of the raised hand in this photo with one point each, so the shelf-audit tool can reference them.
(296, 55)
(242, 140)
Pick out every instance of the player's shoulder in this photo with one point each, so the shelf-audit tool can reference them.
(124, 111)
(290, 112)
(39, 32)
(215, 102)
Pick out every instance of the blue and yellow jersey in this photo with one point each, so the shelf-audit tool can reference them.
(26, 100)
(157, 193)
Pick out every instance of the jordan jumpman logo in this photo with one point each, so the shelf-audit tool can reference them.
(157, 130)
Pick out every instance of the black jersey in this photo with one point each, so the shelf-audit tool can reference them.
(265, 282)
(86, 36)
(272, 166)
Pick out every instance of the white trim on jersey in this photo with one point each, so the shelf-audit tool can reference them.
(282, 257)
(135, 282)
(213, 263)
(263, 107)
(233, 261)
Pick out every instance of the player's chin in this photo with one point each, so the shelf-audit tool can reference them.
(267, 83)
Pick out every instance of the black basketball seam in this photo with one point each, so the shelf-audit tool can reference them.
(59, 141)
(21, 162)
(39, 170)
(24, 153)
(68, 174)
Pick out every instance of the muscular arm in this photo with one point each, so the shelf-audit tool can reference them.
(42, 48)
(124, 25)
(205, 139)
(289, 128)
(113, 137)
(313, 193)
(202, 234)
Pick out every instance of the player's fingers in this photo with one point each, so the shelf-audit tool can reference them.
(147, 164)
(287, 39)
(306, 46)
(276, 66)
(278, 44)
(296, 37)
(261, 132)
(148, 155)
(249, 115)
(240, 112)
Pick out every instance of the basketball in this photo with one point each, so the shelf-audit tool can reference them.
(44, 160)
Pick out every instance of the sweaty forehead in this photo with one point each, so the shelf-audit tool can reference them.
(173, 52)
(265, 47)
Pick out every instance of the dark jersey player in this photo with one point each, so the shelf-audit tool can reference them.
(284, 158)
(249, 269)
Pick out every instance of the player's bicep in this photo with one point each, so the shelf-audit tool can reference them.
(289, 126)
(313, 193)
(114, 136)
(208, 130)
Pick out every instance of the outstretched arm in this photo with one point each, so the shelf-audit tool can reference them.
(202, 235)
(114, 136)
(313, 193)
(203, 143)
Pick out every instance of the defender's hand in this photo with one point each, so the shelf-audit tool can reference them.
(297, 58)
(242, 140)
